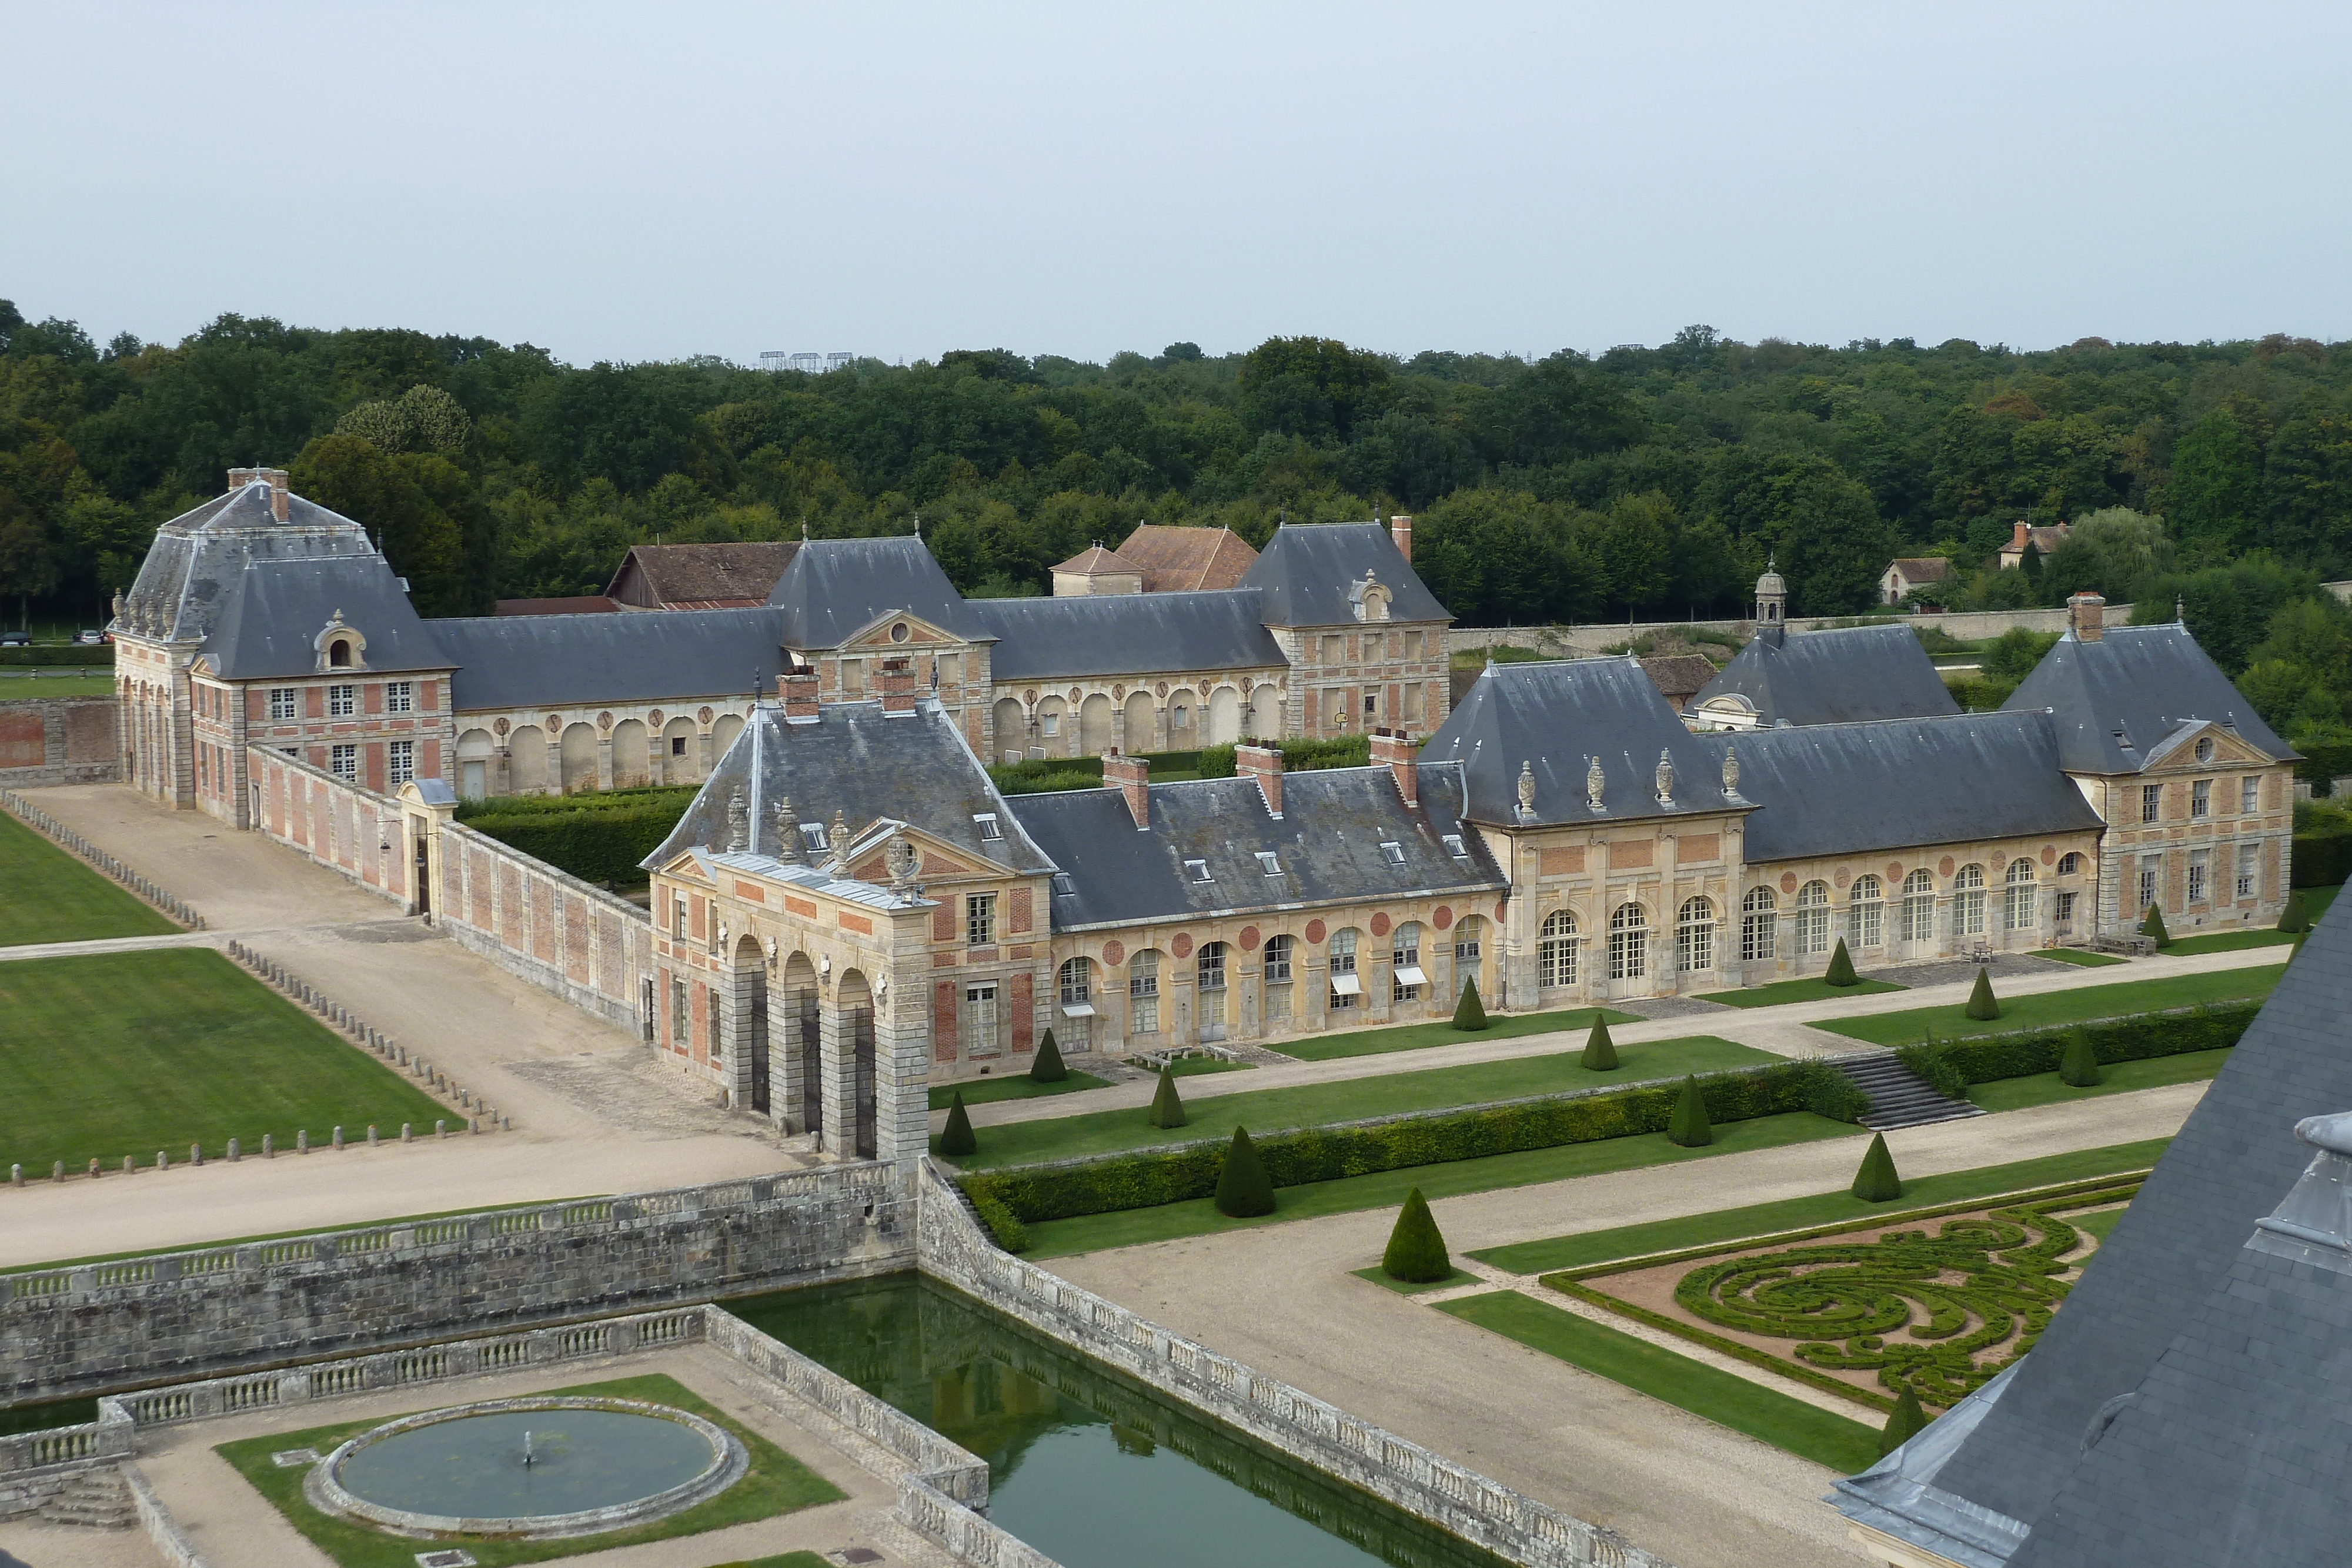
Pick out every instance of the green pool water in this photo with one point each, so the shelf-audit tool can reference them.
(474, 1466)
(1090, 1468)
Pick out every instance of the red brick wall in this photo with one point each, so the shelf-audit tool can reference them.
(1023, 991)
(943, 1021)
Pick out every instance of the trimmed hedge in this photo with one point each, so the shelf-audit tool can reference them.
(46, 654)
(1416, 1249)
(1953, 1064)
(1009, 1232)
(1148, 1179)
(2321, 860)
(1302, 755)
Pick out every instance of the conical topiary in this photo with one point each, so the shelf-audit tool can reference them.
(1876, 1182)
(1243, 1189)
(2152, 927)
(2296, 918)
(2078, 1065)
(1688, 1125)
(1470, 1013)
(1048, 1068)
(1906, 1423)
(1982, 1004)
(1599, 1051)
(1841, 969)
(1167, 1106)
(957, 1139)
(1416, 1251)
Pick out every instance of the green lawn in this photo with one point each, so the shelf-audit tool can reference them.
(1421, 1036)
(2099, 1224)
(2316, 900)
(1013, 1086)
(1822, 1209)
(776, 1484)
(1723, 1397)
(1387, 1189)
(59, 681)
(53, 898)
(1380, 1276)
(1811, 989)
(126, 1053)
(1348, 1100)
(2122, 1078)
(2051, 1008)
(2081, 957)
(2228, 942)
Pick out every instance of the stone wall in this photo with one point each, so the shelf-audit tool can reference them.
(58, 740)
(67, 1331)
(1583, 641)
(1426, 1485)
(331, 821)
(544, 925)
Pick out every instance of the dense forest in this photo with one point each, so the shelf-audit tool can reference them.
(1647, 482)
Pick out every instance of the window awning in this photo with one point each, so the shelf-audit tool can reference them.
(1346, 986)
(1077, 1009)
(1410, 975)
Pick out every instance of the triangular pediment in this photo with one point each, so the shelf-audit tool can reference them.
(2179, 749)
(880, 635)
(935, 857)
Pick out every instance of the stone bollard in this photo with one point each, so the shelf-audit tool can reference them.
(57, 1172)
(195, 1153)
(403, 1055)
(473, 1124)
(339, 1140)
(233, 1154)
(440, 1129)
(163, 1159)
(301, 1139)
(371, 1135)
(93, 1165)
(269, 1146)
(129, 1165)
(16, 1176)
(407, 1132)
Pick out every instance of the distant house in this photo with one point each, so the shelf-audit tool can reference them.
(1183, 561)
(2045, 541)
(700, 577)
(1906, 572)
(1679, 676)
(1096, 571)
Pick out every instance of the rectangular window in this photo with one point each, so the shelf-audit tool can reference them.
(344, 762)
(813, 837)
(983, 1021)
(716, 1047)
(1455, 846)
(1269, 863)
(2151, 801)
(341, 701)
(980, 920)
(2200, 798)
(1404, 963)
(677, 992)
(2250, 864)
(2151, 878)
(853, 677)
(1197, 871)
(1051, 722)
(283, 703)
(1277, 960)
(677, 927)
(2067, 912)
(1466, 951)
(401, 759)
(1393, 854)
(2250, 794)
(1143, 993)
(1063, 886)
(1347, 991)
(1333, 650)
(399, 696)
(1213, 966)
(2198, 866)
(1862, 920)
(1371, 705)
(678, 745)
(989, 829)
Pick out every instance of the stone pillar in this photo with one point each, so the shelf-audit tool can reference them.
(736, 999)
(837, 1044)
(902, 1068)
(605, 760)
(555, 760)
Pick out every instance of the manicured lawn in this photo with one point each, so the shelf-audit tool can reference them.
(1387, 1189)
(1013, 1086)
(1725, 1399)
(2316, 900)
(776, 1484)
(60, 682)
(1198, 1066)
(2051, 1008)
(1811, 989)
(2081, 957)
(1822, 1209)
(52, 898)
(2122, 1078)
(2228, 942)
(2099, 1225)
(1314, 1105)
(1421, 1036)
(1380, 1276)
(126, 1053)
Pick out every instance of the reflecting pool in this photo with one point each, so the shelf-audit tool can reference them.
(515, 1464)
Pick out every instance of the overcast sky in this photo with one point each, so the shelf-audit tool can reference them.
(652, 181)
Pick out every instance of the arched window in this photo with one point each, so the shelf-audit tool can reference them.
(1077, 1023)
(1695, 936)
(2070, 863)
(1813, 918)
(1919, 907)
(1211, 970)
(1276, 970)
(1143, 993)
(1347, 990)
(1556, 950)
(1077, 984)
(1968, 901)
(339, 654)
(1758, 925)
(1863, 906)
(1405, 977)
(1629, 943)
(2018, 915)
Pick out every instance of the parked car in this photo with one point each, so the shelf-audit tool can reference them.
(15, 639)
(89, 638)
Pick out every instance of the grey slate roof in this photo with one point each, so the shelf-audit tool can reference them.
(1842, 789)
(559, 660)
(2146, 681)
(1327, 840)
(1555, 717)
(834, 588)
(1306, 571)
(272, 611)
(1842, 676)
(2176, 1243)
(913, 769)
(197, 557)
(1126, 633)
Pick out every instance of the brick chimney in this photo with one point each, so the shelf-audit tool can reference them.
(1263, 763)
(1392, 750)
(238, 478)
(2018, 533)
(898, 683)
(1131, 777)
(797, 691)
(2086, 616)
(1401, 531)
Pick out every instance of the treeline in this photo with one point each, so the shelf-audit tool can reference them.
(1654, 482)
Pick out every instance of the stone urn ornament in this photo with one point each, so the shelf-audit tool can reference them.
(1595, 781)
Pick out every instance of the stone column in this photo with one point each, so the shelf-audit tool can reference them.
(838, 1091)
(605, 760)
(737, 997)
(902, 1066)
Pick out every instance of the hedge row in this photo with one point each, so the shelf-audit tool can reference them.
(596, 844)
(1148, 1179)
(675, 797)
(1300, 756)
(91, 654)
(2321, 860)
(1951, 1065)
(1039, 774)
(2323, 759)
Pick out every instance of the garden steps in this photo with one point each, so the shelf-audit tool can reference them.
(1898, 1096)
(93, 1499)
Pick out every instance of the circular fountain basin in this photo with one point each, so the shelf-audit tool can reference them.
(589, 1465)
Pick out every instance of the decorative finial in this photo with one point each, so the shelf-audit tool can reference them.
(788, 837)
(1526, 788)
(1730, 772)
(903, 860)
(739, 821)
(2179, 609)
(836, 838)
(1594, 782)
(1666, 778)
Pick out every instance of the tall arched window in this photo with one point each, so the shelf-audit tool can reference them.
(1276, 968)
(2070, 864)
(1813, 918)
(1968, 901)
(1695, 936)
(1919, 907)
(1405, 977)
(1347, 990)
(1143, 993)
(2018, 915)
(1078, 985)
(1629, 943)
(1556, 950)
(1758, 925)
(1863, 906)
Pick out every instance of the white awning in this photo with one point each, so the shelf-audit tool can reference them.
(1410, 975)
(1077, 1009)
(1346, 986)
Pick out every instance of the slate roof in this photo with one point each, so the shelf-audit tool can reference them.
(564, 660)
(198, 558)
(2147, 681)
(271, 612)
(835, 588)
(1126, 633)
(1306, 570)
(2179, 1241)
(1846, 789)
(914, 769)
(1842, 676)
(1554, 716)
(1327, 843)
(704, 576)
(1182, 561)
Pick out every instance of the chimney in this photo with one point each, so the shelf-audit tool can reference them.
(797, 690)
(238, 478)
(2018, 535)
(2086, 616)
(1392, 750)
(898, 683)
(1401, 531)
(1263, 763)
(1131, 777)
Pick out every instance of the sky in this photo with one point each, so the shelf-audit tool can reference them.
(648, 181)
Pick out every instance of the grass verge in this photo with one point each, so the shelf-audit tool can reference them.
(1380, 1276)
(2051, 1008)
(53, 898)
(2081, 957)
(1421, 1036)
(1723, 1397)
(1018, 1086)
(776, 1483)
(2226, 942)
(2121, 1078)
(1811, 989)
(59, 682)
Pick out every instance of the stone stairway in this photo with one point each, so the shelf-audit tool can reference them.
(1898, 1096)
(94, 1500)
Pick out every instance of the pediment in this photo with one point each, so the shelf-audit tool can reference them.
(2178, 751)
(879, 634)
(935, 856)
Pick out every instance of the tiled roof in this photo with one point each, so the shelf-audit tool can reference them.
(2119, 696)
(1679, 674)
(1126, 633)
(1841, 675)
(1923, 569)
(684, 576)
(1181, 559)
(1096, 561)
(562, 661)
(836, 588)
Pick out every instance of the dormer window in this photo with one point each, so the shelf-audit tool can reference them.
(813, 839)
(339, 654)
(1063, 886)
(1198, 870)
(1269, 863)
(989, 827)
(1393, 854)
(1455, 847)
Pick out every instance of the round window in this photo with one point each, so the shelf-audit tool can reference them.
(2205, 750)
(898, 633)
